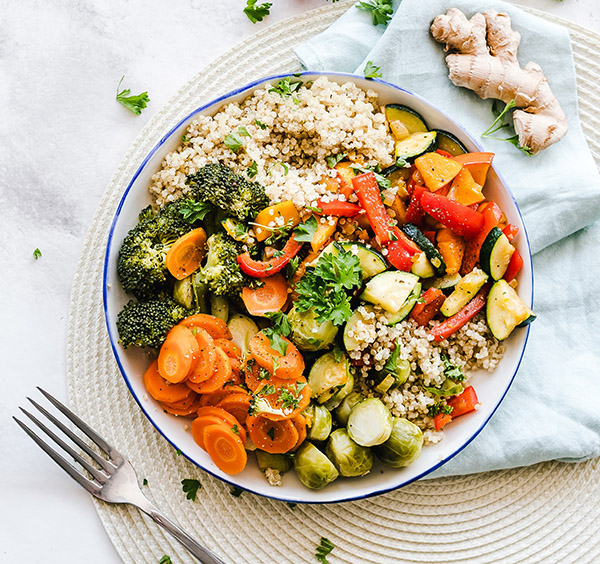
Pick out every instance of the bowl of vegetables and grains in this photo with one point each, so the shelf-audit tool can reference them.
(317, 287)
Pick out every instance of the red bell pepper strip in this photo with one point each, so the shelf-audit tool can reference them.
(339, 208)
(514, 266)
(441, 419)
(430, 235)
(492, 215)
(426, 310)
(465, 402)
(366, 188)
(264, 268)
(461, 219)
(444, 153)
(510, 231)
(398, 256)
(414, 212)
(458, 320)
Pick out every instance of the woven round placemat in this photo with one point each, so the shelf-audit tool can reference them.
(544, 513)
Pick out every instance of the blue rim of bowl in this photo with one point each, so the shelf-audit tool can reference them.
(113, 341)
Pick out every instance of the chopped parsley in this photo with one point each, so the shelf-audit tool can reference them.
(252, 170)
(286, 87)
(291, 268)
(305, 232)
(382, 181)
(290, 397)
(165, 560)
(236, 492)
(371, 71)
(335, 159)
(260, 124)
(278, 343)
(381, 10)
(452, 371)
(280, 321)
(266, 390)
(37, 254)
(392, 362)
(263, 374)
(439, 407)
(144, 482)
(285, 167)
(135, 103)
(178, 452)
(194, 211)
(236, 429)
(257, 13)
(190, 488)
(499, 124)
(234, 139)
(185, 139)
(323, 550)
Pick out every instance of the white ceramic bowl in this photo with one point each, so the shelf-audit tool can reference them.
(491, 387)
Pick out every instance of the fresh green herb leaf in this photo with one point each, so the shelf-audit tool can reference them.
(37, 254)
(194, 211)
(382, 181)
(266, 390)
(381, 10)
(263, 374)
(280, 321)
(135, 103)
(236, 429)
(323, 550)
(165, 560)
(178, 452)
(291, 268)
(260, 124)
(285, 167)
(499, 123)
(236, 492)
(278, 343)
(277, 231)
(439, 407)
(335, 159)
(286, 87)
(452, 371)
(185, 139)
(305, 232)
(402, 162)
(257, 13)
(372, 71)
(234, 139)
(144, 482)
(392, 362)
(271, 433)
(314, 209)
(190, 488)
(243, 131)
(252, 170)
(290, 397)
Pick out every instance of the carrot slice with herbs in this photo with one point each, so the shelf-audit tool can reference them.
(256, 377)
(206, 357)
(214, 398)
(220, 376)
(212, 416)
(184, 408)
(214, 326)
(300, 423)
(178, 355)
(236, 404)
(226, 449)
(160, 389)
(186, 254)
(284, 366)
(269, 296)
(275, 437)
(285, 401)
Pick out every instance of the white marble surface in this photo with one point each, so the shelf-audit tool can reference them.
(61, 136)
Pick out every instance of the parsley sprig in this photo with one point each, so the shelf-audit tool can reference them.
(194, 211)
(452, 371)
(305, 232)
(323, 289)
(234, 141)
(499, 124)
(134, 103)
(257, 13)
(37, 254)
(286, 88)
(381, 10)
(281, 323)
(382, 181)
(335, 159)
(439, 407)
(190, 488)
(371, 70)
(290, 397)
(323, 550)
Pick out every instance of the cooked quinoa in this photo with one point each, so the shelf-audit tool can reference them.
(288, 139)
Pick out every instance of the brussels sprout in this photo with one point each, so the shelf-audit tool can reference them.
(279, 462)
(200, 289)
(219, 307)
(343, 411)
(349, 458)
(404, 445)
(242, 330)
(370, 422)
(320, 424)
(327, 376)
(307, 333)
(314, 469)
(338, 396)
(183, 292)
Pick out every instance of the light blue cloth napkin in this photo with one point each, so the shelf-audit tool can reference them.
(552, 410)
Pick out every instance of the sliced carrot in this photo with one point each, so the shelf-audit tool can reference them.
(160, 389)
(287, 401)
(226, 449)
(211, 416)
(236, 404)
(206, 357)
(186, 254)
(256, 377)
(214, 326)
(287, 366)
(178, 355)
(215, 397)
(229, 348)
(275, 437)
(220, 376)
(184, 408)
(269, 296)
(300, 423)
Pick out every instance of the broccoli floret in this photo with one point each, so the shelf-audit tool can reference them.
(221, 272)
(141, 265)
(146, 324)
(219, 185)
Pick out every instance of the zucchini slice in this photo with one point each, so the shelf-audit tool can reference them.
(446, 282)
(350, 342)
(422, 267)
(393, 318)
(495, 253)
(371, 261)
(434, 256)
(464, 292)
(390, 289)
(407, 117)
(447, 142)
(414, 145)
(505, 310)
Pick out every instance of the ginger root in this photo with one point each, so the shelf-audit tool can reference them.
(485, 61)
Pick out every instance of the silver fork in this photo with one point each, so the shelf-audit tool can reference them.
(114, 481)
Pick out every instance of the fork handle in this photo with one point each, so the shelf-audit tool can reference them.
(202, 553)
